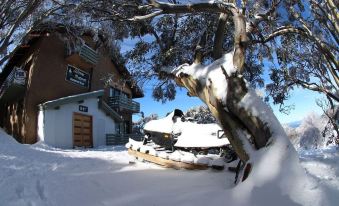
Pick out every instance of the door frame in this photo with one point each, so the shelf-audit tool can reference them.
(91, 117)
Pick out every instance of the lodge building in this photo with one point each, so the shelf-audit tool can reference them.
(56, 88)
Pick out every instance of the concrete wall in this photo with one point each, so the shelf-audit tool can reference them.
(55, 125)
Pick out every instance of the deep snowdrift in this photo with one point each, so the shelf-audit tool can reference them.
(41, 175)
(276, 170)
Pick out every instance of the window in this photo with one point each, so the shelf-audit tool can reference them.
(113, 92)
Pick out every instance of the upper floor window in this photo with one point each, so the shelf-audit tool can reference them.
(113, 92)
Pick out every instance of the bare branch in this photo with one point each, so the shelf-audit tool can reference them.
(23, 15)
(258, 18)
(198, 56)
(169, 8)
(219, 36)
(317, 88)
(148, 16)
(280, 31)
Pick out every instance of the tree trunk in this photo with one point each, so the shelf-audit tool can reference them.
(246, 130)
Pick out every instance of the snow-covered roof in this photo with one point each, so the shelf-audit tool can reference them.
(80, 97)
(164, 125)
(189, 134)
(70, 99)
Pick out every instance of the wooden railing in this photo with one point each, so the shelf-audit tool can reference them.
(123, 103)
(83, 52)
(121, 139)
(88, 54)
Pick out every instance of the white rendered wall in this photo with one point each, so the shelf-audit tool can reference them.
(41, 136)
(57, 124)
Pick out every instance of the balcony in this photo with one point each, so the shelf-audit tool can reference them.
(14, 86)
(122, 103)
(82, 55)
(88, 54)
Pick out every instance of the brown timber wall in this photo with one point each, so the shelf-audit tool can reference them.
(46, 81)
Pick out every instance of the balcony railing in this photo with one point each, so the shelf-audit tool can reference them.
(121, 139)
(78, 52)
(121, 103)
(88, 54)
(14, 84)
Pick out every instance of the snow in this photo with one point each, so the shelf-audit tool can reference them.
(211, 72)
(176, 156)
(164, 125)
(199, 135)
(98, 93)
(312, 132)
(163, 154)
(189, 134)
(276, 169)
(253, 103)
(42, 176)
(218, 162)
(153, 152)
(202, 160)
(188, 158)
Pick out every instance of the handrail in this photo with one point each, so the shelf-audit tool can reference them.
(88, 54)
(121, 139)
(85, 52)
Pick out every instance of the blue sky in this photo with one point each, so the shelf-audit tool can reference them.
(303, 100)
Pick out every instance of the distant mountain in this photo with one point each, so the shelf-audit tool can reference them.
(294, 124)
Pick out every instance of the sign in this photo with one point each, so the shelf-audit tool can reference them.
(77, 76)
(19, 76)
(83, 108)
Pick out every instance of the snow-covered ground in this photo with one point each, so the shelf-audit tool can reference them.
(40, 175)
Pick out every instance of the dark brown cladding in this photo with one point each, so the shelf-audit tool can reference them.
(45, 61)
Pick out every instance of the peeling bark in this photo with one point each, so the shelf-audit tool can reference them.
(229, 124)
(240, 41)
(245, 131)
(259, 130)
(219, 36)
(232, 117)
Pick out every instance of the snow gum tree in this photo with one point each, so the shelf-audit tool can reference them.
(210, 48)
(200, 114)
(216, 50)
(17, 17)
(307, 56)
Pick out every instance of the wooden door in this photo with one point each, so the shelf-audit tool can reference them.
(82, 130)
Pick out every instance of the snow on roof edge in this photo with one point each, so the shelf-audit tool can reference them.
(70, 99)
